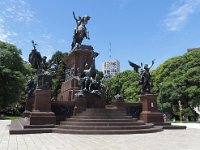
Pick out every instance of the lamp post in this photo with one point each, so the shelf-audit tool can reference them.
(180, 111)
(161, 101)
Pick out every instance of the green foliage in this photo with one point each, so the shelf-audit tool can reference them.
(29, 70)
(10, 117)
(58, 61)
(100, 74)
(179, 79)
(125, 83)
(12, 71)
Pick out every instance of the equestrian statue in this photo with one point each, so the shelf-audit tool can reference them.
(80, 32)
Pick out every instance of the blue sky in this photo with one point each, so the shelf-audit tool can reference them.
(139, 30)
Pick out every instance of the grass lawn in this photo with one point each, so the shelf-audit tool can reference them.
(10, 117)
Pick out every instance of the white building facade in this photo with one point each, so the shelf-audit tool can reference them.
(110, 67)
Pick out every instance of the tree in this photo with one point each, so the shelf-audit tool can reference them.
(12, 73)
(125, 83)
(57, 62)
(179, 79)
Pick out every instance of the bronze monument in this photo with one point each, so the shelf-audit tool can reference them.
(150, 111)
(80, 32)
(82, 93)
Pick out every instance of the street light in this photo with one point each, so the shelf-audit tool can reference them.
(161, 97)
(180, 111)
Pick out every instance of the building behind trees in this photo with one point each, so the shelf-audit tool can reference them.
(110, 67)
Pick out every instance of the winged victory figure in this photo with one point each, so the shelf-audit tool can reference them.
(145, 77)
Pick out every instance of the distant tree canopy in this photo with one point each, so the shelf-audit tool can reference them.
(58, 66)
(124, 83)
(12, 74)
(179, 79)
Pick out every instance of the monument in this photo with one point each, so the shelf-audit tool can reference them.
(81, 85)
(38, 105)
(84, 91)
(150, 111)
(29, 96)
(80, 32)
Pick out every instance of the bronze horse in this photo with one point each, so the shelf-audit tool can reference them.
(81, 31)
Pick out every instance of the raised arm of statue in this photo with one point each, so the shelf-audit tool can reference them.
(34, 44)
(75, 16)
(153, 61)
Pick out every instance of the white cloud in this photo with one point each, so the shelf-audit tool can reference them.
(18, 10)
(19, 25)
(4, 34)
(180, 13)
(123, 3)
(12, 12)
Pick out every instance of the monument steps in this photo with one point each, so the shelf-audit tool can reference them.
(104, 121)
(103, 117)
(38, 126)
(110, 123)
(130, 127)
(100, 110)
(101, 120)
(31, 131)
(136, 131)
(105, 114)
(21, 127)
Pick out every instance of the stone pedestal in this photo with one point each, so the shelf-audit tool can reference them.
(42, 100)
(94, 101)
(29, 106)
(68, 89)
(42, 118)
(150, 111)
(88, 100)
(80, 105)
(42, 113)
(120, 104)
(75, 61)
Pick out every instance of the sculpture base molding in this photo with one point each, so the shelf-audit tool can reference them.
(42, 118)
(152, 117)
(150, 111)
(41, 113)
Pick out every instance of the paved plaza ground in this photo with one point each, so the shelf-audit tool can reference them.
(188, 139)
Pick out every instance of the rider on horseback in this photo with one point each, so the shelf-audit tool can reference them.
(78, 22)
(81, 31)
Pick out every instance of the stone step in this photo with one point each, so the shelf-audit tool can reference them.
(135, 131)
(102, 114)
(103, 117)
(31, 131)
(131, 127)
(161, 123)
(38, 126)
(104, 110)
(104, 121)
(108, 123)
(173, 127)
(101, 120)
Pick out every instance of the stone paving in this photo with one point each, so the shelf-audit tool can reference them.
(188, 139)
